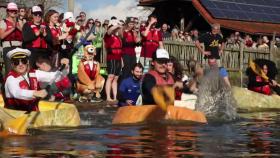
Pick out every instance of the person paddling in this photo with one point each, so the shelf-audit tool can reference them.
(22, 91)
(157, 76)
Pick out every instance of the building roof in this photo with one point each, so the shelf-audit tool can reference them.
(255, 17)
(249, 16)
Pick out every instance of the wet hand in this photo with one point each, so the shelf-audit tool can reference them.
(40, 94)
(129, 102)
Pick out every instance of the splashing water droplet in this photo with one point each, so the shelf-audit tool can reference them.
(215, 98)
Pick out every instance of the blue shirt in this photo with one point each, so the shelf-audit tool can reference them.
(223, 72)
(129, 89)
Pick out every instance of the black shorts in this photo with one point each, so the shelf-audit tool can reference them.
(114, 67)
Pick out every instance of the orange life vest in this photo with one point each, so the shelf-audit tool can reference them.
(160, 81)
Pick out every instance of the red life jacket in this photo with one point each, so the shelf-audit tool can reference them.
(113, 45)
(129, 43)
(16, 35)
(161, 81)
(55, 32)
(20, 104)
(39, 42)
(263, 89)
(62, 85)
(91, 73)
(150, 43)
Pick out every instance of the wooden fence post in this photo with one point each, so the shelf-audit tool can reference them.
(241, 63)
(271, 49)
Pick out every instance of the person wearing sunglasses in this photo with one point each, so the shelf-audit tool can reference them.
(21, 85)
(37, 37)
(157, 76)
(10, 32)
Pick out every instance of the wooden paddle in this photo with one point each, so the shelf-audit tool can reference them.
(163, 96)
(258, 70)
(18, 125)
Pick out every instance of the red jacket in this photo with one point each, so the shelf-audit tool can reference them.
(20, 104)
(262, 89)
(40, 42)
(129, 43)
(16, 35)
(113, 45)
(150, 43)
(91, 73)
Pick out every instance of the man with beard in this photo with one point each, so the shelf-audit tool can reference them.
(129, 89)
(158, 76)
(151, 41)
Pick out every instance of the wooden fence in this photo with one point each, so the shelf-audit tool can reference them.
(232, 58)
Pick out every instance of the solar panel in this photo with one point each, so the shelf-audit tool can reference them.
(248, 10)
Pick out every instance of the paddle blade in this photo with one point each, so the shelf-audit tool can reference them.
(18, 125)
(257, 70)
(163, 96)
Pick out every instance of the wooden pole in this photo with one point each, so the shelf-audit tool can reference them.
(241, 63)
(71, 4)
(272, 47)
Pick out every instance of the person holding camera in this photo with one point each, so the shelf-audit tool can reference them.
(37, 37)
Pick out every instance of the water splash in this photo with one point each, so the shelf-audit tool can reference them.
(215, 98)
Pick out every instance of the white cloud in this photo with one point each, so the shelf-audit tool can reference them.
(121, 10)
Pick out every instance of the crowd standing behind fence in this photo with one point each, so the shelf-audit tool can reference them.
(65, 36)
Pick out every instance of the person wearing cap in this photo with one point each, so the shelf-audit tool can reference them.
(113, 45)
(21, 85)
(10, 32)
(129, 43)
(157, 76)
(151, 41)
(37, 37)
(99, 33)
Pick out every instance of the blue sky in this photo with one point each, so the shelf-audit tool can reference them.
(104, 9)
(88, 5)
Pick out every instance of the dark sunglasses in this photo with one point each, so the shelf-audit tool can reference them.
(16, 62)
(162, 61)
(12, 11)
(37, 14)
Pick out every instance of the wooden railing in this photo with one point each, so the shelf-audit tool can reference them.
(232, 58)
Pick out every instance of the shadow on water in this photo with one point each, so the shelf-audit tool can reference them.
(215, 98)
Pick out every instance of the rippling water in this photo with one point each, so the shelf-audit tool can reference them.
(254, 135)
